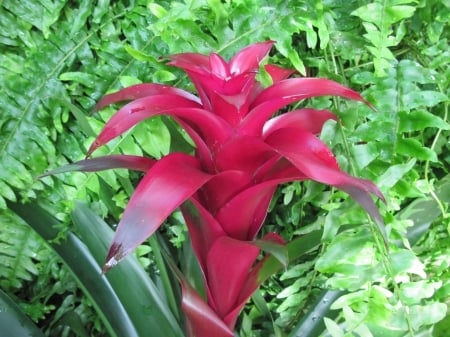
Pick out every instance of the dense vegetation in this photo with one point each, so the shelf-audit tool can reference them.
(58, 58)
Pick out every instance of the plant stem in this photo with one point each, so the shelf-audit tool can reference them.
(427, 163)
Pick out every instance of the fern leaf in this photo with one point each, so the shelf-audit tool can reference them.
(21, 251)
(378, 18)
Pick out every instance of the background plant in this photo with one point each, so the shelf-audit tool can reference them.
(58, 59)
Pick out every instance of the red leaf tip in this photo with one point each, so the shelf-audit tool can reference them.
(96, 144)
(115, 255)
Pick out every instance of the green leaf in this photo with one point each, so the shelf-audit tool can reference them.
(73, 320)
(313, 322)
(413, 148)
(414, 292)
(427, 314)
(139, 55)
(333, 328)
(124, 313)
(364, 154)
(423, 211)
(378, 18)
(380, 15)
(279, 251)
(153, 136)
(162, 76)
(21, 251)
(394, 173)
(347, 245)
(406, 261)
(13, 321)
(157, 10)
(296, 249)
(145, 305)
(422, 98)
(41, 17)
(349, 299)
(441, 328)
(84, 268)
(419, 120)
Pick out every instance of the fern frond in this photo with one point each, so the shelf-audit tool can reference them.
(56, 62)
(21, 251)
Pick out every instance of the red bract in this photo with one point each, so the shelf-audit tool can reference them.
(224, 190)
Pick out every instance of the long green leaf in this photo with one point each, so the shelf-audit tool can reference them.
(126, 300)
(312, 323)
(83, 266)
(137, 293)
(13, 322)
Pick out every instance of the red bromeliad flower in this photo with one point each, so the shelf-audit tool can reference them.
(224, 190)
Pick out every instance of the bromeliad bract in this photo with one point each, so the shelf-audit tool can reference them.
(224, 189)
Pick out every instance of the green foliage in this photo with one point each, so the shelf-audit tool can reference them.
(119, 311)
(21, 252)
(378, 18)
(58, 58)
(14, 322)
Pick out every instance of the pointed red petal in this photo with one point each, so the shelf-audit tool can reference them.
(223, 187)
(142, 90)
(218, 66)
(289, 91)
(137, 163)
(191, 61)
(227, 107)
(295, 89)
(316, 161)
(136, 111)
(243, 216)
(211, 128)
(244, 153)
(270, 265)
(311, 120)
(201, 319)
(252, 282)
(249, 58)
(203, 228)
(278, 73)
(278, 168)
(229, 262)
(170, 182)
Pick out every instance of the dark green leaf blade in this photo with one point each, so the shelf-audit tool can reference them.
(145, 305)
(84, 268)
(13, 321)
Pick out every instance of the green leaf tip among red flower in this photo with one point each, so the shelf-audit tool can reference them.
(242, 154)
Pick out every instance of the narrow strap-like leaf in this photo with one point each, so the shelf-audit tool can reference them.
(137, 163)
